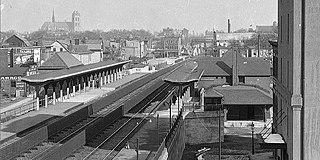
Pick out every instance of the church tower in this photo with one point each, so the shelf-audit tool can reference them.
(76, 21)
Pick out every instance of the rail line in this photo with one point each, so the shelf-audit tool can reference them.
(108, 143)
(43, 148)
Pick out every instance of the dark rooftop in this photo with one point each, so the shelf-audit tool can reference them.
(61, 60)
(186, 73)
(222, 66)
(241, 95)
(64, 73)
(15, 71)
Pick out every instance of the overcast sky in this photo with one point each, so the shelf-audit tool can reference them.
(153, 15)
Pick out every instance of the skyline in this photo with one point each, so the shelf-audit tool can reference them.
(150, 15)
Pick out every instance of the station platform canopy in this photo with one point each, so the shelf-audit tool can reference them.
(185, 74)
(72, 72)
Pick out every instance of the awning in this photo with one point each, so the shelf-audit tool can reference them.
(185, 74)
(272, 141)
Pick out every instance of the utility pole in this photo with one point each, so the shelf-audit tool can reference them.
(219, 132)
(158, 137)
(258, 45)
(137, 148)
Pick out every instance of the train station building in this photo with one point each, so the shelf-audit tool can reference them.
(58, 85)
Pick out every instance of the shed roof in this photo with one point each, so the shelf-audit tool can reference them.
(222, 66)
(241, 95)
(61, 60)
(65, 73)
(15, 71)
(186, 73)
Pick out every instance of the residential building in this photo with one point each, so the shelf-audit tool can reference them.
(16, 40)
(60, 60)
(59, 46)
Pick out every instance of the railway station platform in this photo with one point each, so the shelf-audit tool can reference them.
(10, 129)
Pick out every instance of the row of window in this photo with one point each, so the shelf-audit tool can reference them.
(171, 47)
(55, 49)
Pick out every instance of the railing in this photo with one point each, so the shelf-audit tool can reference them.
(173, 130)
(16, 112)
(265, 132)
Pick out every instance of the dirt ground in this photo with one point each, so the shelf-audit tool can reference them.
(237, 145)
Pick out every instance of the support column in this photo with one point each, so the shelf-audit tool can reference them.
(93, 81)
(68, 88)
(109, 76)
(85, 79)
(105, 77)
(74, 83)
(79, 84)
(54, 93)
(46, 96)
(121, 76)
(101, 79)
(61, 90)
(114, 75)
(37, 88)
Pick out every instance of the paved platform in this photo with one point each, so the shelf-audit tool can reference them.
(5, 107)
(9, 129)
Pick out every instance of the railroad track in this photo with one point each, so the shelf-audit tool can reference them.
(59, 138)
(54, 141)
(108, 143)
(44, 148)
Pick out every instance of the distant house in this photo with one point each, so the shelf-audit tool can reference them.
(232, 69)
(17, 40)
(60, 60)
(59, 46)
(84, 55)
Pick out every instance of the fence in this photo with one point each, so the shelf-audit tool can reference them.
(16, 112)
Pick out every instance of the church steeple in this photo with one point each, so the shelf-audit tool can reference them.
(53, 20)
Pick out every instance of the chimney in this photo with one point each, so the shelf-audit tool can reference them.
(234, 68)
(71, 46)
(229, 26)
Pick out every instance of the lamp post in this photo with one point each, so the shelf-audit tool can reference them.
(252, 130)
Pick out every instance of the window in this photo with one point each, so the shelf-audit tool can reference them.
(288, 31)
(281, 35)
(61, 49)
(281, 71)
(288, 74)
(54, 49)
(13, 83)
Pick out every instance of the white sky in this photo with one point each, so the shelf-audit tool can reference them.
(153, 15)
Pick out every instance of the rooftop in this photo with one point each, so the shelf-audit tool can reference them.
(15, 71)
(222, 66)
(61, 60)
(240, 95)
(60, 74)
(186, 73)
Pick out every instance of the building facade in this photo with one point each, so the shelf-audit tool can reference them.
(171, 46)
(296, 80)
